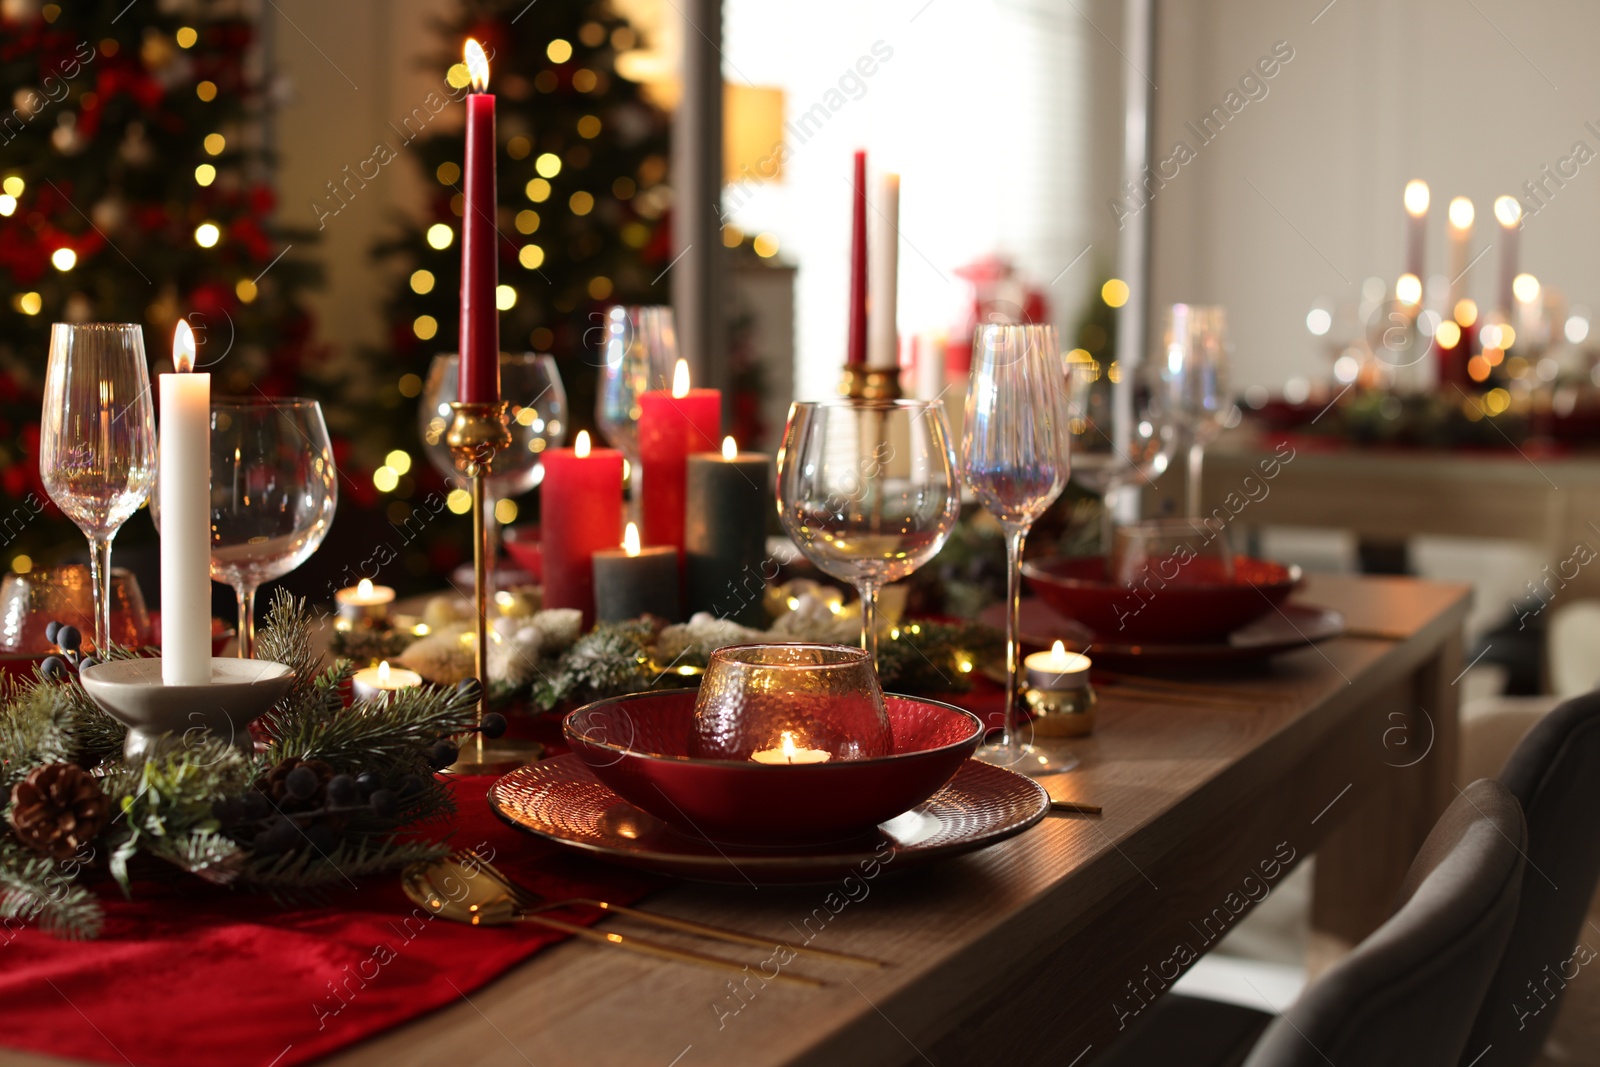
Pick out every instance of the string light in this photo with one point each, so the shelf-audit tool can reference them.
(205, 174)
(440, 236)
(505, 297)
(538, 190)
(1114, 292)
(558, 50)
(64, 259)
(422, 282)
(8, 204)
(531, 256)
(548, 165)
(246, 291)
(207, 234)
(215, 143)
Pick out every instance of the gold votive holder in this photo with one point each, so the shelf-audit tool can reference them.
(1059, 696)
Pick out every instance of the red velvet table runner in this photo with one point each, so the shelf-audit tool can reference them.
(191, 975)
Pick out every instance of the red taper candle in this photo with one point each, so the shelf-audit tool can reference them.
(856, 352)
(581, 505)
(480, 318)
(672, 424)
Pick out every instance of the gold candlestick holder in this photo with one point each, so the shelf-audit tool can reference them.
(871, 383)
(478, 432)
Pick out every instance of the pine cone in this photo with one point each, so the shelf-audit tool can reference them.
(275, 789)
(57, 809)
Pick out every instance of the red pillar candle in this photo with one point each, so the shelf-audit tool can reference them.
(672, 425)
(480, 318)
(581, 505)
(856, 352)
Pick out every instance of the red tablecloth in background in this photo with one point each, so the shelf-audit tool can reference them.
(190, 975)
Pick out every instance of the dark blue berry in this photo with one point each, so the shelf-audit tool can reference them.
(86, 662)
(367, 782)
(442, 754)
(385, 803)
(54, 668)
(50, 630)
(410, 786)
(301, 783)
(494, 725)
(256, 805)
(68, 638)
(468, 688)
(343, 791)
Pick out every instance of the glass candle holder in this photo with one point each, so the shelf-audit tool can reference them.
(29, 602)
(790, 704)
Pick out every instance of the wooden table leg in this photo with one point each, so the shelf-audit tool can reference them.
(1362, 863)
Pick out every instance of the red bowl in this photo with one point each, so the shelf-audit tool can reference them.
(522, 545)
(1077, 588)
(638, 745)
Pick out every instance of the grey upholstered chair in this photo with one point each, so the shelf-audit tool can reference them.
(1406, 996)
(1555, 775)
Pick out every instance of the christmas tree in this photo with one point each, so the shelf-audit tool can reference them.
(582, 172)
(136, 188)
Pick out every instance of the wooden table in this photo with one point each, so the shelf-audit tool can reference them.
(1032, 951)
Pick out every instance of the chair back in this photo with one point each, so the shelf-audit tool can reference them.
(1404, 997)
(1555, 774)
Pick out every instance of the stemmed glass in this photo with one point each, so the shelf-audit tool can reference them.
(1102, 464)
(867, 489)
(638, 351)
(1014, 457)
(97, 444)
(1192, 370)
(273, 494)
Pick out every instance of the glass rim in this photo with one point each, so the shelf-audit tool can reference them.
(227, 401)
(98, 326)
(850, 655)
(845, 402)
(526, 354)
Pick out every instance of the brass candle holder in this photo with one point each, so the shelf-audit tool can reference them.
(478, 432)
(1058, 693)
(871, 383)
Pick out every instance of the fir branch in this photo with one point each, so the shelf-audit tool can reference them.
(306, 874)
(383, 736)
(610, 660)
(39, 890)
(286, 638)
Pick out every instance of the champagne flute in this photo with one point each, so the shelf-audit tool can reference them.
(1193, 373)
(97, 441)
(867, 490)
(274, 490)
(638, 352)
(1014, 452)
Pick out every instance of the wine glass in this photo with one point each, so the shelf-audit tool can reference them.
(1193, 374)
(1100, 462)
(536, 415)
(97, 441)
(1014, 457)
(867, 490)
(638, 352)
(273, 494)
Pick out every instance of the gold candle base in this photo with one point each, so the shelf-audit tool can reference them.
(477, 432)
(870, 383)
(1062, 712)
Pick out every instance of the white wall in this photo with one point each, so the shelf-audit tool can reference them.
(1472, 97)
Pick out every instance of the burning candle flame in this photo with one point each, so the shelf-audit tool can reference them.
(729, 448)
(630, 539)
(1408, 290)
(680, 379)
(789, 747)
(183, 348)
(1525, 287)
(383, 673)
(1461, 213)
(364, 588)
(1058, 650)
(1416, 198)
(580, 447)
(477, 65)
(1507, 210)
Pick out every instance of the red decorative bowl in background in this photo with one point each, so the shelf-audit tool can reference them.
(1077, 587)
(522, 545)
(639, 745)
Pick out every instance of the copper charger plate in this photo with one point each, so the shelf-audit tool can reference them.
(561, 800)
(1287, 629)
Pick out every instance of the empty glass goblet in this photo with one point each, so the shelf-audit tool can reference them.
(638, 350)
(274, 490)
(97, 439)
(867, 490)
(1192, 371)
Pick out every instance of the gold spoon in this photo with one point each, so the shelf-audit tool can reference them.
(467, 863)
(440, 887)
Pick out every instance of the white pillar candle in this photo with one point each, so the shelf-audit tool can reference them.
(1508, 212)
(883, 348)
(1461, 216)
(185, 518)
(1416, 201)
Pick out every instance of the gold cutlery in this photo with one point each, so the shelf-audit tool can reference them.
(473, 862)
(482, 902)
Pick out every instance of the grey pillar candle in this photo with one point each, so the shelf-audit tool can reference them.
(727, 500)
(632, 581)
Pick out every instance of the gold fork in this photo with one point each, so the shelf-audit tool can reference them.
(530, 901)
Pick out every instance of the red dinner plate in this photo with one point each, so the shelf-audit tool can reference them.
(562, 801)
(1077, 587)
(639, 746)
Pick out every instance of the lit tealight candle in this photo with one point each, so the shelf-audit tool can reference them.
(365, 602)
(1057, 669)
(373, 682)
(789, 753)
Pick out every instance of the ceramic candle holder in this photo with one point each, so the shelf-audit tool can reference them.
(131, 691)
(790, 704)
